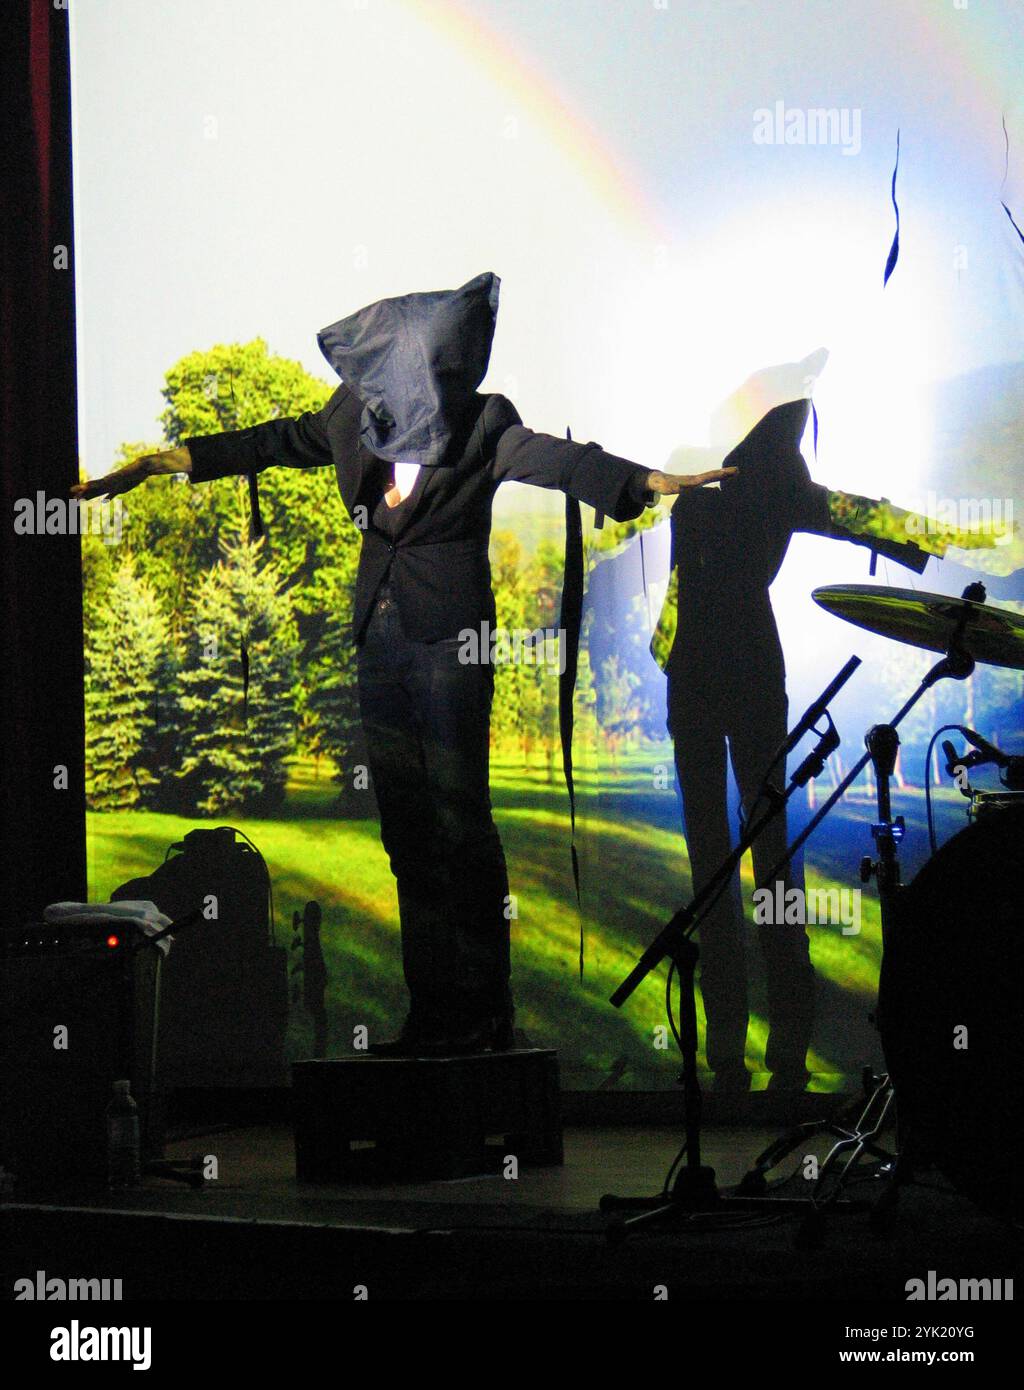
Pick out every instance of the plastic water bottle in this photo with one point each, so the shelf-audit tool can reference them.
(122, 1138)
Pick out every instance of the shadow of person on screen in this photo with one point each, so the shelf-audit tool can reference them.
(727, 704)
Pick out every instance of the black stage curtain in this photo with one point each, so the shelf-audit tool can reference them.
(41, 678)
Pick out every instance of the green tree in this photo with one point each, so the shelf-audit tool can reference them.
(162, 744)
(174, 530)
(126, 647)
(526, 590)
(235, 387)
(235, 748)
(511, 680)
(330, 710)
(100, 562)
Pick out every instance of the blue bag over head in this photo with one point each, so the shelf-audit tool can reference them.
(415, 362)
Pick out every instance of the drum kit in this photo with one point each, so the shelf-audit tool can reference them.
(951, 983)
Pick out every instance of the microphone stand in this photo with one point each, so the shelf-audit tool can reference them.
(694, 1187)
(190, 1170)
(882, 743)
(957, 664)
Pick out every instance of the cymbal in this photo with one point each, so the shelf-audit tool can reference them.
(992, 635)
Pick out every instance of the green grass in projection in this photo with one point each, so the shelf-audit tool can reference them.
(635, 873)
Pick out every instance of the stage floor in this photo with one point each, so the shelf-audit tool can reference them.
(256, 1233)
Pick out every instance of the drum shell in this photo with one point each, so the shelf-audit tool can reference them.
(950, 1014)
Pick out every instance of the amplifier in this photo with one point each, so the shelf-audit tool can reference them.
(78, 1011)
(63, 939)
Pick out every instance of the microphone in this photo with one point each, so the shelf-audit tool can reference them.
(814, 711)
(990, 752)
(953, 758)
(807, 721)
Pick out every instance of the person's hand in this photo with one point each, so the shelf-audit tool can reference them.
(136, 471)
(668, 484)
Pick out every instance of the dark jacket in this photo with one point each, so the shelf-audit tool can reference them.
(437, 561)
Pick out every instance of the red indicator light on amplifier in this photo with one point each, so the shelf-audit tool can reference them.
(113, 941)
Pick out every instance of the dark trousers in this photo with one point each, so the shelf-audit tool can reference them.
(426, 718)
(704, 727)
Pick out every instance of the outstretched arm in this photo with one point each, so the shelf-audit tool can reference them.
(906, 537)
(863, 521)
(299, 442)
(613, 485)
(133, 472)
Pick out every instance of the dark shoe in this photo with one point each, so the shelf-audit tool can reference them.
(492, 1033)
(407, 1044)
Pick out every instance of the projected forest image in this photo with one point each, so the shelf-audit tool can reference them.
(674, 269)
(180, 735)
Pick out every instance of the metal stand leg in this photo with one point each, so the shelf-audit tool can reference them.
(853, 1143)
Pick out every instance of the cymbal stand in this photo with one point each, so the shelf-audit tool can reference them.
(863, 1139)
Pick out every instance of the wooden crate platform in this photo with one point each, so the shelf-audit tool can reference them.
(424, 1117)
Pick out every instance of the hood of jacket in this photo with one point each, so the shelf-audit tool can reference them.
(415, 362)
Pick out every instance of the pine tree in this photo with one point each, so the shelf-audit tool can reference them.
(124, 649)
(510, 680)
(235, 748)
(331, 706)
(161, 752)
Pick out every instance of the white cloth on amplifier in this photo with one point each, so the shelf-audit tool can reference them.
(140, 913)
